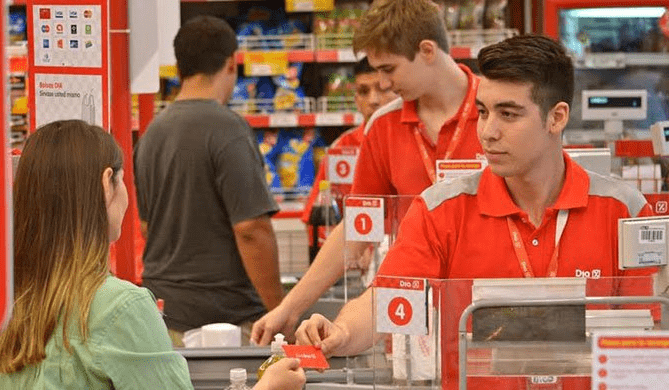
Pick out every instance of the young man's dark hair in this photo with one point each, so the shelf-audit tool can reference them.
(362, 66)
(202, 45)
(532, 59)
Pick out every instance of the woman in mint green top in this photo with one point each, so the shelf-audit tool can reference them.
(74, 326)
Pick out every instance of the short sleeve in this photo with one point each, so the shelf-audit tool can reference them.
(136, 352)
(240, 180)
(371, 174)
(417, 251)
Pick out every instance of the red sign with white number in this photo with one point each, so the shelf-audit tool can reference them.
(401, 305)
(363, 219)
(341, 164)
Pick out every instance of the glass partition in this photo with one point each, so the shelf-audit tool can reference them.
(502, 333)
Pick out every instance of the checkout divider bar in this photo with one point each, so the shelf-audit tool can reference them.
(486, 303)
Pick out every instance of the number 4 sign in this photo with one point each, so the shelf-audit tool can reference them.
(401, 306)
(363, 219)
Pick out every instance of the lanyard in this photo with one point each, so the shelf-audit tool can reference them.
(457, 135)
(521, 253)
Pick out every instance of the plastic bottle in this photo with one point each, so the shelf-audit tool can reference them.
(238, 379)
(277, 354)
(324, 214)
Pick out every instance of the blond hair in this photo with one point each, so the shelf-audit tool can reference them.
(398, 27)
(61, 236)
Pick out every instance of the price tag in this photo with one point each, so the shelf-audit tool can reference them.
(450, 169)
(329, 119)
(283, 120)
(363, 219)
(346, 55)
(309, 5)
(401, 306)
(341, 164)
(265, 63)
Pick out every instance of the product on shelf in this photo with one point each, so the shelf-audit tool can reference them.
(289, 95)
(296, 162)
(452, 14)
(471, 14)
(17, 26)
(252, 95)
(340, 90)
(270, 148)
(495, 14)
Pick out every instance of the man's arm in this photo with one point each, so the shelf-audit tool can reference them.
(327, 268)
(257, 246)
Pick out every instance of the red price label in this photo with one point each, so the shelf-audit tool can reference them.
(363, 223)
(400, 311)
(343, 168)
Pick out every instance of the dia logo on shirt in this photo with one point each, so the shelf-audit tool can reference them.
(594, 274)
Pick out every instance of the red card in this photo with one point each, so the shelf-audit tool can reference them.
(310, 356)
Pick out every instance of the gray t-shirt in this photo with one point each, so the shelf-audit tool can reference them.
(198, 171)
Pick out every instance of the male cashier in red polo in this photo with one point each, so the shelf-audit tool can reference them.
(504, 222)
(369, 96)
(435, 120)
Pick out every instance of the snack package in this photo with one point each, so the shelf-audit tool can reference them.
(296, 162)
(289, 95)
(452, 14)
(292, 29)
(471, 14)
(270, 146)
(495, 14)
(325, 22)
(249, 36)
(17, 26)
(340, 90)
(243, 96)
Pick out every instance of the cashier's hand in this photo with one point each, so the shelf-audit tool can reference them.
(286, 374)
(279, 320)
(321, 332)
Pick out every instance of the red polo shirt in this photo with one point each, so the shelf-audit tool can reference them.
(390, 162)
(351, 138)
(459, 230)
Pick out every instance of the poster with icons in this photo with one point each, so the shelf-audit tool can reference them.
(67, 35)
(68, 54)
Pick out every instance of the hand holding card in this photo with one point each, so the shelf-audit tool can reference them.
(310, 356)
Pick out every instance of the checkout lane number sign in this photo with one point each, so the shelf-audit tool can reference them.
(363, 219)
(401, 306)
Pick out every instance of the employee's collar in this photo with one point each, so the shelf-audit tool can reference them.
(494, 199)
(409, 113)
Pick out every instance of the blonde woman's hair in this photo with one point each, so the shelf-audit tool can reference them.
(61, 236)
(398, 27)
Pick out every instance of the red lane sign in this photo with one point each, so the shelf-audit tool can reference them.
(400, 311)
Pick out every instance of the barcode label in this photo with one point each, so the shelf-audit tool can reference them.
(651, 235)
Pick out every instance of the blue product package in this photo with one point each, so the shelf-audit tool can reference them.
(243, 96)
(270, 145)
(17, 26)
(296, 162)
(289, 95)
(265, 92)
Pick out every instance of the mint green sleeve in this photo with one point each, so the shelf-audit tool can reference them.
(136, 352)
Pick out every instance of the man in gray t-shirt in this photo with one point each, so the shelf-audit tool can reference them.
(211, 253)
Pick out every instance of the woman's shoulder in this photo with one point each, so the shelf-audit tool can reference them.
(116, 295)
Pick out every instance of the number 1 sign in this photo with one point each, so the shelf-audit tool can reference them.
(364, 219)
